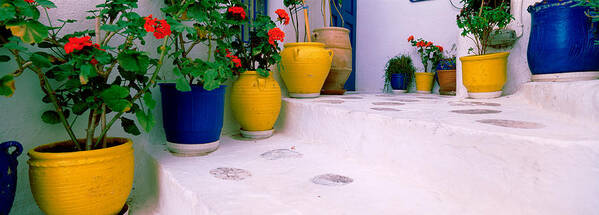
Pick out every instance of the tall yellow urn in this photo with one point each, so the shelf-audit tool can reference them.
(256, 104)
(485, 75)
(304, 68)
(95, 182)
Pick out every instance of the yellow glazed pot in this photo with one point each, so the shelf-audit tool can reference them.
(82, 183)
(256, 104)
(304, 67)
(485, 75)
(424, 82)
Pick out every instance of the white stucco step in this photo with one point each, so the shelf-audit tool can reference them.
(278, 183)
(578, 99)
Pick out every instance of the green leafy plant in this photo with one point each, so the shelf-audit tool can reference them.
(401, 64)
(294, 6)
(593, 13)
(104, 78)
(211, 23)
(430, 54)
(262, 50)
(478, 19)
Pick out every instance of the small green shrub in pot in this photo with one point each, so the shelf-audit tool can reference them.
(401, 64)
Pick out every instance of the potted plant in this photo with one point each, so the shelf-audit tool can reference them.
(335, 38)
(446, 73)
(552, 57)
(430, 54)
(483, 74)
(304, 65)
(8, 174)
(193, 106)
(87, 72)
(399, 73)
(256, 95)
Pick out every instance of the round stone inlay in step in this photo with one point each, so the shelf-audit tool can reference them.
(385, 109)
(385, 95)
(352, 97)
(280, 154)
(427, 97)
(231, 174)
(330, 101)
(462, 103)
(332, 180)
(388, 103)
(404, 100)
(511, 123)
(476, 111)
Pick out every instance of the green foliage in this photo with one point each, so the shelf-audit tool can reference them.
(401, 64)
(78, 82)
(478, 20)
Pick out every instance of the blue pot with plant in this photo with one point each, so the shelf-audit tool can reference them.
(9, 151)
(562, 37)
(399, 73)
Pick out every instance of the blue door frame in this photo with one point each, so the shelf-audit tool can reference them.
(348, 11)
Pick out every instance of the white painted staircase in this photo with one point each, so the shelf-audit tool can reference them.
(395, 154)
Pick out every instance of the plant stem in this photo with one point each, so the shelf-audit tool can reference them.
(139, 93)
(103, 119)
(90, 129)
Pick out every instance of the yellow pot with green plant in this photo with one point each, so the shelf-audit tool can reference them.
(80, 79)
(483, 74)
(431, 55)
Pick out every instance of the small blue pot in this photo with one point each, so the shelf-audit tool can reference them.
(8, 174)
(194, 117)
(561, 38)
(398, 82)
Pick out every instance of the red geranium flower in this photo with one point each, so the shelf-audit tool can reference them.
(440, 48)
(237, 11)
(410, 38)
(274, 35)
(236, 61)
(429, 44)
(77, 43)
(161, 28)
(30, 1)
(420, 44)
(94, 61)
(283, 16)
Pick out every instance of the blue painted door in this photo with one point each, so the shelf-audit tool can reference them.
(348, 11)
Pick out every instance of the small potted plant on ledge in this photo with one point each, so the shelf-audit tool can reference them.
(256, 95)
(304, 66)
(430, 54)
(193, 106)
(99, 71)
(446, 73)
(483, 74)
(399, 73)
(335, 38)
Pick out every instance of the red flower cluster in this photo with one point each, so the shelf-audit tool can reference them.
(236, 61)
(410, 38)
(160, 28)
(440, 48)
(29, 1)
(283, 16)
(274, 35)
(237, 11)
(78, 43)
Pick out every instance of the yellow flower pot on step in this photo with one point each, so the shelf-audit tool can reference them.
(84, 182)
(485, 75)
(424, 82)
(256, 104)
(304, 67)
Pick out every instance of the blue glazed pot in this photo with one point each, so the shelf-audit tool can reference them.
(398, 82)
(8, 174)
(561, 38)
(194, 117)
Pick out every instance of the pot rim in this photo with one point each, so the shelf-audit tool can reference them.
(254, 72)
(125, 145)
(332, 28)
(425, 73)
(304, 44)
(485, 57)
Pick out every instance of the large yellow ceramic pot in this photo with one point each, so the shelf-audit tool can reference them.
(424, 82)
(81, 183)
(256, 104)
(304, 68)
(485, 75)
